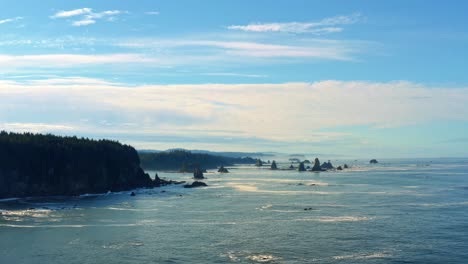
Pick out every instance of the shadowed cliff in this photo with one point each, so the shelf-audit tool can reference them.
(40, 165)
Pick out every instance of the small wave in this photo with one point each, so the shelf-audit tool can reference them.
(66, 226)
(336, 219)
(262, 258)
(131, 209)
(441, 204)
(374, 255)
(344, 219)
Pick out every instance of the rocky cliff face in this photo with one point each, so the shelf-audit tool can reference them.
(44, 165)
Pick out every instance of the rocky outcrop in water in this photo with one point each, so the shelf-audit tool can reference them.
(317, 166)
(373, 161)
(46, 165)
(258, 163)
(198, 174)
(273, 165)
(301, 167)
(223, 170)
(327, 166)
(195, 184)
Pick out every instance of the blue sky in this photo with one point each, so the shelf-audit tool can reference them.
(339, 78)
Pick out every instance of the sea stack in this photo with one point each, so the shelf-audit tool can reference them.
(258, 163)
(301, 167)
(317, 166)
(273, 165)
(198, 174)
(223, 170)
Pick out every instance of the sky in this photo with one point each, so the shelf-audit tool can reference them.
(332, 78)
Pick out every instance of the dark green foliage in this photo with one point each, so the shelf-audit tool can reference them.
(306, 161)
(339, 168)
(273, 165)
(39, 165)
(185, 161)
(373, 161)
(345, 166)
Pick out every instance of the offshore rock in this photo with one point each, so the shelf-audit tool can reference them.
(317, 166)
(223, 170)
(195, 184)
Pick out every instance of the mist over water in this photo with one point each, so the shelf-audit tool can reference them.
(399, 211)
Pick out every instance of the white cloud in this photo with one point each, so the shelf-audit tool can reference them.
(87, 16)
(235, 50)
(68, 60)
(72, 13)
(103, 14)
(152, 13)
(8, 20)
(234, 74)
(321, 27)
(35, 127)
(84, 22)
(289, 112)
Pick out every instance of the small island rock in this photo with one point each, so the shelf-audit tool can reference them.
(317, 166)
(223, 170)
(273, 165)
(301, 167)
(198, 174)
(195, 184)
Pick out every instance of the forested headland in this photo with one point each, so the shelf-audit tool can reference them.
(44, 165)
(186, 161)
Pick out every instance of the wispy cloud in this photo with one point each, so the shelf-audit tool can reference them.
(327, 25)
(87, 16)
(68, 60)
(84, 22)
(9, 20)
(265, 111)
(233, 74)
(236, 50)
(152, 13)
(72, 13)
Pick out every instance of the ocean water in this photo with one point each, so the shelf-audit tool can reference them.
(398, 211)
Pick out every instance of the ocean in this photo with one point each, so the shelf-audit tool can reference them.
(397, 211)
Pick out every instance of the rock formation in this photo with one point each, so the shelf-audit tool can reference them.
(198, 174)
(258, 163)
(223, 170)
(317, 166)
(195, 184)
(273, 165)
(301, 167)
(327, 165)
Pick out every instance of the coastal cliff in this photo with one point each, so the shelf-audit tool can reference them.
(45, 165)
